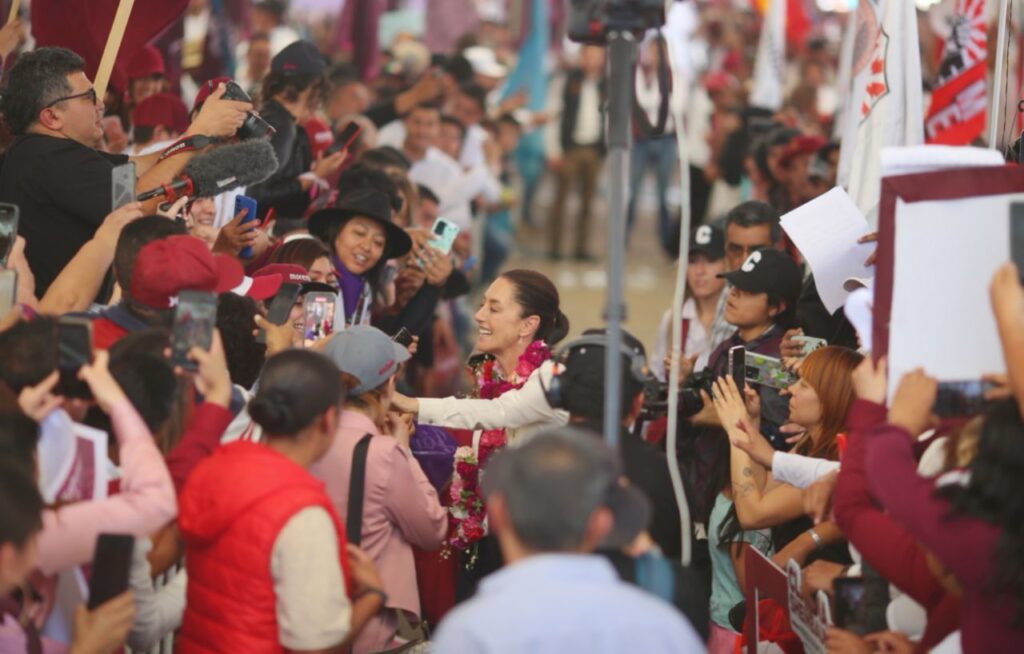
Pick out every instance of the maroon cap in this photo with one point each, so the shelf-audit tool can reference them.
(170, 265)
(800, 146)
(292, 273)
(259, 288)
(161, 109)
(147, 62)
(206, 89)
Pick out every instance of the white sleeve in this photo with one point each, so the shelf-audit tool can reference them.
(313, 611)
(516, 408)
(800, 471)
(158, 612)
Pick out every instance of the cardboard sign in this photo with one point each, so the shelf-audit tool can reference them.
(810, 622)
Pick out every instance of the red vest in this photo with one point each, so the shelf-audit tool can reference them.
(231, 510)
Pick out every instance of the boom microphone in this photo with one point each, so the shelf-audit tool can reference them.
(222, 169)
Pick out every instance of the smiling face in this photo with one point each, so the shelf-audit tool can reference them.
(422, 128)
(360, 244)
(702, 276)
(804, 405)
(500, 320)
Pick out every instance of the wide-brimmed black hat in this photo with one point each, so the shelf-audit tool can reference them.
(367, 203)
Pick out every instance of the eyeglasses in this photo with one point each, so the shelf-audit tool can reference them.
(90, 95)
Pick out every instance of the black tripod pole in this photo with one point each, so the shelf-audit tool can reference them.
(621, 54)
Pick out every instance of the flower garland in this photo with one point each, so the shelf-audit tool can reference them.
(467, 519)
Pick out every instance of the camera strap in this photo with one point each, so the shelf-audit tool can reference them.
(189, 144)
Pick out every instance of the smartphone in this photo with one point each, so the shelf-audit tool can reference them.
(194, 320)
(318, 317)
(810, 343)
(738, 366)
(847, 593)
(8, 291)
(1017, 236)
(111, 566)
(403, 337)
(280, 307)
(345, 139)
(74, 350)
(122, 185)
(768, 371)
(249, 204)
(961, 399)
(8, 230)
(443, 235)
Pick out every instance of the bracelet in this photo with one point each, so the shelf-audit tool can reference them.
(816, 538)
(374, 591)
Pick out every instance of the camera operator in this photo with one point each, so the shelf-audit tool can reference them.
(51, 107)
(293, 89)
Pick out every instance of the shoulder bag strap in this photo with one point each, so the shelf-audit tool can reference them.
(356, 490)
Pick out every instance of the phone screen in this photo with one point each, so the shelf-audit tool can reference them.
(318, 322)
(847, 593)
(403, 337)
(111, 566)
(74, 350)
(960, 399)
(8, 230)
(8, 291)
(194, 320)
(738, 366)
(1017, 235)
(122, 185)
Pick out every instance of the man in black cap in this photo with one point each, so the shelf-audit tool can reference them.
(293, 90)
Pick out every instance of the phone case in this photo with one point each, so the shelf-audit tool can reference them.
(111, 566)
(194, 320)
(768, 371)
(445, 234)
(122, 185)
(8, 230)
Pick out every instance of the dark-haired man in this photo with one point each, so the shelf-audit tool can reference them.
(52, 170)
(749, 226)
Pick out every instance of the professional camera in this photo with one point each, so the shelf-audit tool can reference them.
(254, 127)
(590, 21)
(690, 401)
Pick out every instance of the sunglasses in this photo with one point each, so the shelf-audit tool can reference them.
(90, 95)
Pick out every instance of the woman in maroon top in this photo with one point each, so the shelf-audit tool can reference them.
(976, 528)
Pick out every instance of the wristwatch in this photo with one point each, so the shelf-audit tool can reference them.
(374, 591)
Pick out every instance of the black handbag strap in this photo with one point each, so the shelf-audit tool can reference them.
(356, 490)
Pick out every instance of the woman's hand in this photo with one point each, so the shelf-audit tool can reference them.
(400, 426)
(235, 235)
(913, 401)
(105, 628)
(38, 401)
(363, 572)
(104, 387)
(437, 266)
(325, 167)
(790, 348)
(732, 411)
(279, 337)
(212, 378)
(405, 404)
(869, 380)
(818, 497)
(750, 440)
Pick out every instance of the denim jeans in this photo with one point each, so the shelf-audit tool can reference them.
(659, 152)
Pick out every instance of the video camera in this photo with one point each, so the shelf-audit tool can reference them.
(590, 21)
(254, 127)
(690, 400)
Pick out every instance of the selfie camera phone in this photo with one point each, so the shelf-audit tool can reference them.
(8, 230)
(847, 594)
(738, 366)
(249, 204)
(403, 337)
(810, 344)
(194, 320)
(443, 235)
(122, 185)
(111, 566)
(345, 138)
(1017, 236)
(74, 350)
(768, 371)
(8, 291)
(280, 307)
(318, 317)
(960, 399)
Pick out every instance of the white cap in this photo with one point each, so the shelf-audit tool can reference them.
(483, 61)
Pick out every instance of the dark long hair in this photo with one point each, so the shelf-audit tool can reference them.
(538, 296)
(993, 495)
(720, 479)
(295, 388)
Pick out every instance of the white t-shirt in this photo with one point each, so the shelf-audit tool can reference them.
(313, 611)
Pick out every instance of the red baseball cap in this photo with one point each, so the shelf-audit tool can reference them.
(800, 146)
(170, 265)
(292, 273)
(259, 288)
(206, 89)
(161, 109)
(147, 62)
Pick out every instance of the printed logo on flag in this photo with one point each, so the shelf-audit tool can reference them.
(877, 86)
(957, 112)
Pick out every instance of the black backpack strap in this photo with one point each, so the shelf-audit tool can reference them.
(356, 490)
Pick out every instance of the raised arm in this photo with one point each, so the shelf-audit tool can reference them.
(1008, 305)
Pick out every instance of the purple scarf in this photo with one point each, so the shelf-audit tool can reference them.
(351, 286)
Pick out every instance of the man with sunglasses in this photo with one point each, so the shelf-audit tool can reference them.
(53, 170)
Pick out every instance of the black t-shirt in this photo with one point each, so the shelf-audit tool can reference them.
(62, 189)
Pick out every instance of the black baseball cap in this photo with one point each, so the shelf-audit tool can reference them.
(768, 271)
(708, 240)
(299, 58)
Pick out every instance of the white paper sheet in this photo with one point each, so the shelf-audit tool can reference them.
(826, 230)
(945, 255)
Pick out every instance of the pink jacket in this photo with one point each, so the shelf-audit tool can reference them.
(400, 507)
(145, 504)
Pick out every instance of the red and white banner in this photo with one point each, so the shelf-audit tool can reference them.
(957, 112)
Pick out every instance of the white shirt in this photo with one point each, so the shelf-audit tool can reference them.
(648, 96)
(521, 412)
(473, 147)
(800, 471)
(478, 181)
(699, 340)
(442, 175)
(588, 119)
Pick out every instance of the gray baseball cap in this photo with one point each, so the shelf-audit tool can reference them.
(367, 354)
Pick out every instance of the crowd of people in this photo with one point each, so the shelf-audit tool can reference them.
(313, 468)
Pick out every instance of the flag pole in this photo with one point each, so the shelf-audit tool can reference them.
(124, 10)
(996, 112)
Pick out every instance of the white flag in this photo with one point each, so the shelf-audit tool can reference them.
(771, 58)
(885, 106)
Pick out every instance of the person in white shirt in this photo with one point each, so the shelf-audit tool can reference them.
(575, 145)
(430, 166)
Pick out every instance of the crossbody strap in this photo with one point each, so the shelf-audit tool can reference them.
(356, 490)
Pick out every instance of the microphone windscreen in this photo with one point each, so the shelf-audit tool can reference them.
(231, 166)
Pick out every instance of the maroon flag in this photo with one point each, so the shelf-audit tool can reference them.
(957, 112)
